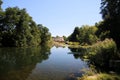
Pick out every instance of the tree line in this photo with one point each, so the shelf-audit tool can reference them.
(84, 35)
(108, 28)
(101, 42)
(17, 28)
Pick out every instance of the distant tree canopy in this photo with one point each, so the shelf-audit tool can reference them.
(110, 10)
(75, 35)
(18, 29)
(84, 35)
(45, 34)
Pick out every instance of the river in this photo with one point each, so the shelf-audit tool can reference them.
(37, 63)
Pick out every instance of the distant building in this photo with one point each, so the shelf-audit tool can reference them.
(58, 39)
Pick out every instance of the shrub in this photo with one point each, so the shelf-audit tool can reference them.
(102, 52)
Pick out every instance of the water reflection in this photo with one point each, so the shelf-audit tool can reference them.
(77, 53)
(107, 64)
(40, 63)
(17, 63)
(59, 66)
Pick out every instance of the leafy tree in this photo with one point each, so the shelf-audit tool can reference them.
(0, 4)
(74, 36)
(45, 34)
(18, 29)
(84, 35)
(102, 33)
(27, 32)
(88, 34)
(110, 10)
(16, 26)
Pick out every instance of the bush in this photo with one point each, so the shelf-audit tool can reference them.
(102, 52)
(100, 76)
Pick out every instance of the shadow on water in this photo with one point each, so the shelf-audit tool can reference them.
(112, 65)
(78, 53)
(17, 63)
(40, 63)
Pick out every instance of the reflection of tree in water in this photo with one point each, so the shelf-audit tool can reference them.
(77, 52)
(81, 53)
(17, 63)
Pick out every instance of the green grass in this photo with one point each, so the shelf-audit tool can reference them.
(73, 43)
(101, 76)
(99, 53)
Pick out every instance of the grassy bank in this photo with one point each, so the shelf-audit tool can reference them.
(101, 76)
(100, 54)
(58, 44)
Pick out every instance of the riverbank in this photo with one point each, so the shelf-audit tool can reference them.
(101, 76)
(69, 44)
(59, 44)
(100, 55)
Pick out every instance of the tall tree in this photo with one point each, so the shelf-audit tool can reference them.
(0, 4)
(74, 36)
(1, 19)
(45, 34)
(84, 35)
(110, 10)
(17, 28)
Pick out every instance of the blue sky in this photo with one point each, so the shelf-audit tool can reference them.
(60, 16)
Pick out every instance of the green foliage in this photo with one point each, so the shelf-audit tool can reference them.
(0, 4)
(45, 34)
(74, 36)
(21, 61)
(102, 32)
(110, 10)
(84, 35)
(18, 29)
(101, 76)
(99, 53)
(73, 43)
(102, 52)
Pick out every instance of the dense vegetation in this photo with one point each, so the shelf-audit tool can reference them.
(21, 61)
(101, 76)
(103, 42)
(100, 43)
(18, 29)
(110, 10)
(108, 28)
(84, 35)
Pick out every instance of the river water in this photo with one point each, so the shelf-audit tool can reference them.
(56, 63)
